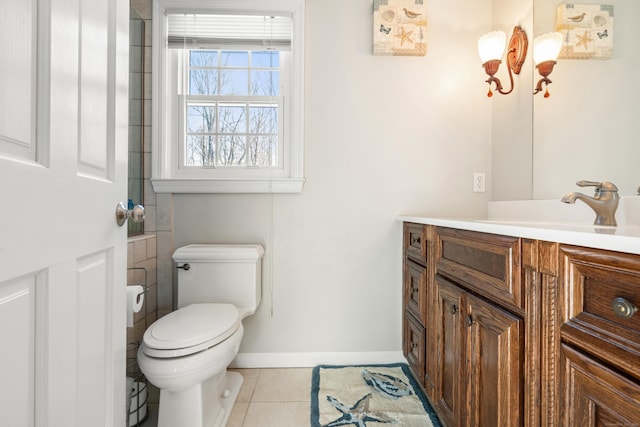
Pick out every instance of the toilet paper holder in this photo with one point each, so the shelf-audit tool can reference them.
(145, 289)
(144, 279)
(135, 302)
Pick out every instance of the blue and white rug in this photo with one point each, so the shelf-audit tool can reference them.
(368, 396)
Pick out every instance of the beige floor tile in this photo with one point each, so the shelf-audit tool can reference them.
(283, 385)
(238, 414)
(277, 414)
(268, 398)
(248, 386)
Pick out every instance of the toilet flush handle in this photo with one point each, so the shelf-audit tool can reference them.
(184, 266)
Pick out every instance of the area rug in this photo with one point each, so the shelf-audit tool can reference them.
(368, 396)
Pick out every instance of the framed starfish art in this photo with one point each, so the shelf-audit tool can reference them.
(587, 31)
(399, 27)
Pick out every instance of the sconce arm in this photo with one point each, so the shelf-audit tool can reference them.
(495, 80)
(491, 67)
(546, 81)
(544, 68)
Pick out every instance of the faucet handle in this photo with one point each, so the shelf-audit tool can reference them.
(600, 186)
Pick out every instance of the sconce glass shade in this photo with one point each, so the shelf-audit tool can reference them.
(546, 47)
(491, 46)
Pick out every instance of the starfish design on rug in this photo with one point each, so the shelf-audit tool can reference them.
(357, 415)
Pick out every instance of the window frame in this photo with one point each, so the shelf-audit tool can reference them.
(166, 174)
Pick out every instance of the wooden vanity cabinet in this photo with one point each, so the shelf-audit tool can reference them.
(417, 279)
(480, 346)
(600, 335)
(506, 331)
(479, 339)
(488, 343)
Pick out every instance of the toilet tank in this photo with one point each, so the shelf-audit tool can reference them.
(220, 274)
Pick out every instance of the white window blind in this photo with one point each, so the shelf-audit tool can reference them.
(208, 31)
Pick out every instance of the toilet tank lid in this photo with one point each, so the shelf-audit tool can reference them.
(218, 252)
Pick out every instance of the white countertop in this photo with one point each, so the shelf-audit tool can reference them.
(623, 238)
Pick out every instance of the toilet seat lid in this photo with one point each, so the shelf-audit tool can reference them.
(190, 329)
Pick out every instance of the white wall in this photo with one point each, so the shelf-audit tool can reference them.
(512, 163)
(384, 136)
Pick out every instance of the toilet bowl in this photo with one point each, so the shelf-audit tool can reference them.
(186, 353)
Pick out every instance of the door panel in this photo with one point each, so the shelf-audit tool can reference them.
(17, 335)
(448, 383)
(94, 351)
(93, 82)
(494, 364)
(18, 34)
(60, 242)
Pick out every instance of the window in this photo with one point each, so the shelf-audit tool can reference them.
(231, 99)
(232, 108)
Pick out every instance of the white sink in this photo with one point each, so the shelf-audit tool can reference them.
(555, 212)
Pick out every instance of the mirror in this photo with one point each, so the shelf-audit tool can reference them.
(588, 127)
(136, 117)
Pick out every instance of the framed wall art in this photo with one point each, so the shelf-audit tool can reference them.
(587, 30)
(399, 27)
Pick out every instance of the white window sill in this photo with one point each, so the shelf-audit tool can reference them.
(213, 186)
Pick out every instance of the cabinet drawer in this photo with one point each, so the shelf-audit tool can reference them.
(415, 346)
(415, 290)
(603, 293)
(415, 242)
(486, 263)
(596, 395)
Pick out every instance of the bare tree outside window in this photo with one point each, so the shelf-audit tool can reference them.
(232, 109)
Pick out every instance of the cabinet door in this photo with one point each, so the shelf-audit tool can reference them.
(494, 365)
(596, 395)
(450, 372)
(414, 347)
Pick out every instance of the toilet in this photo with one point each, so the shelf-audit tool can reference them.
(186, 353)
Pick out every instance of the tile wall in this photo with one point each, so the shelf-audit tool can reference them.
(151, 251)
(141, 270)
(158, 207)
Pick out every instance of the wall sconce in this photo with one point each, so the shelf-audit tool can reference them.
(546, 49)
(491, 47)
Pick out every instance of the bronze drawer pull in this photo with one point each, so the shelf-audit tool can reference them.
(623, 308)
(453, 309)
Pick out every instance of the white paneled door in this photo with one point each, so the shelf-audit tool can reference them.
(63, 161)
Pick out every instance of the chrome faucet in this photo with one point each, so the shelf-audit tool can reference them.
(604, 202)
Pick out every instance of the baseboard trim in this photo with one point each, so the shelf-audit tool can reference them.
(306, 360)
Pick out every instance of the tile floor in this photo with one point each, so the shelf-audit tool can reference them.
(268, 398)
